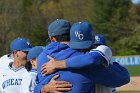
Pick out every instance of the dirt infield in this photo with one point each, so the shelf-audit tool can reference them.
(134, 85)
(128, 92)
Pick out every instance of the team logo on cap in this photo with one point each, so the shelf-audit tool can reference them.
(79, 35)
(97, 38)
(28, 43)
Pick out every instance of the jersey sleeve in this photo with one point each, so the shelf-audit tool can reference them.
(42, 58)
(37, 88)
(85, 60)
(111, 76)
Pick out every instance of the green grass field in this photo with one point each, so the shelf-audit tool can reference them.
(134, 70)
(129, 92)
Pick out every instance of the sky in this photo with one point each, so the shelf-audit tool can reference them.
(136, 1)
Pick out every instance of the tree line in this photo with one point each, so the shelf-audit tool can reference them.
(118, 20)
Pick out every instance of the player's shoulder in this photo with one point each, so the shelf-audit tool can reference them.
(26, 75)
(6, 57)
(5, 60)
(104, 50)
(101, 47)
(33, 74)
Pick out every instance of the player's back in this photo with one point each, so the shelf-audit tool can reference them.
(81, 83)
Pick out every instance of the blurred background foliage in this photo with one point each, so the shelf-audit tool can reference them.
(118, 20)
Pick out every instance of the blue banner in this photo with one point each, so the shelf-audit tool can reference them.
(127, 60)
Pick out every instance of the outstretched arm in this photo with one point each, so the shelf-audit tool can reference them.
(78, 62)
(111, 76)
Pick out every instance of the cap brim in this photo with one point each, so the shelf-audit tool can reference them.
(99, 43)
(81, 45)
(27, 49)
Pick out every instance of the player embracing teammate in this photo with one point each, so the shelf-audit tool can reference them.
(79, 73)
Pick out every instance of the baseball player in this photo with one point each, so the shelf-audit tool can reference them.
(97, 61)
(59, 35)
(100, 40)
(80, 83)
(12, 77)
(29, 84)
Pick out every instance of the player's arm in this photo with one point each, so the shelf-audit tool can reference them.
(78, 62)
(53, 86)
(85, 61)
(111, 76)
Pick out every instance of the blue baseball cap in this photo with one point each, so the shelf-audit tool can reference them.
(21, 44)
(81, 35)
(34, 52)
(99, 40)
(59, 27)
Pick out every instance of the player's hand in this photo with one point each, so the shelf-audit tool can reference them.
(49, 67)
(55, 86)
